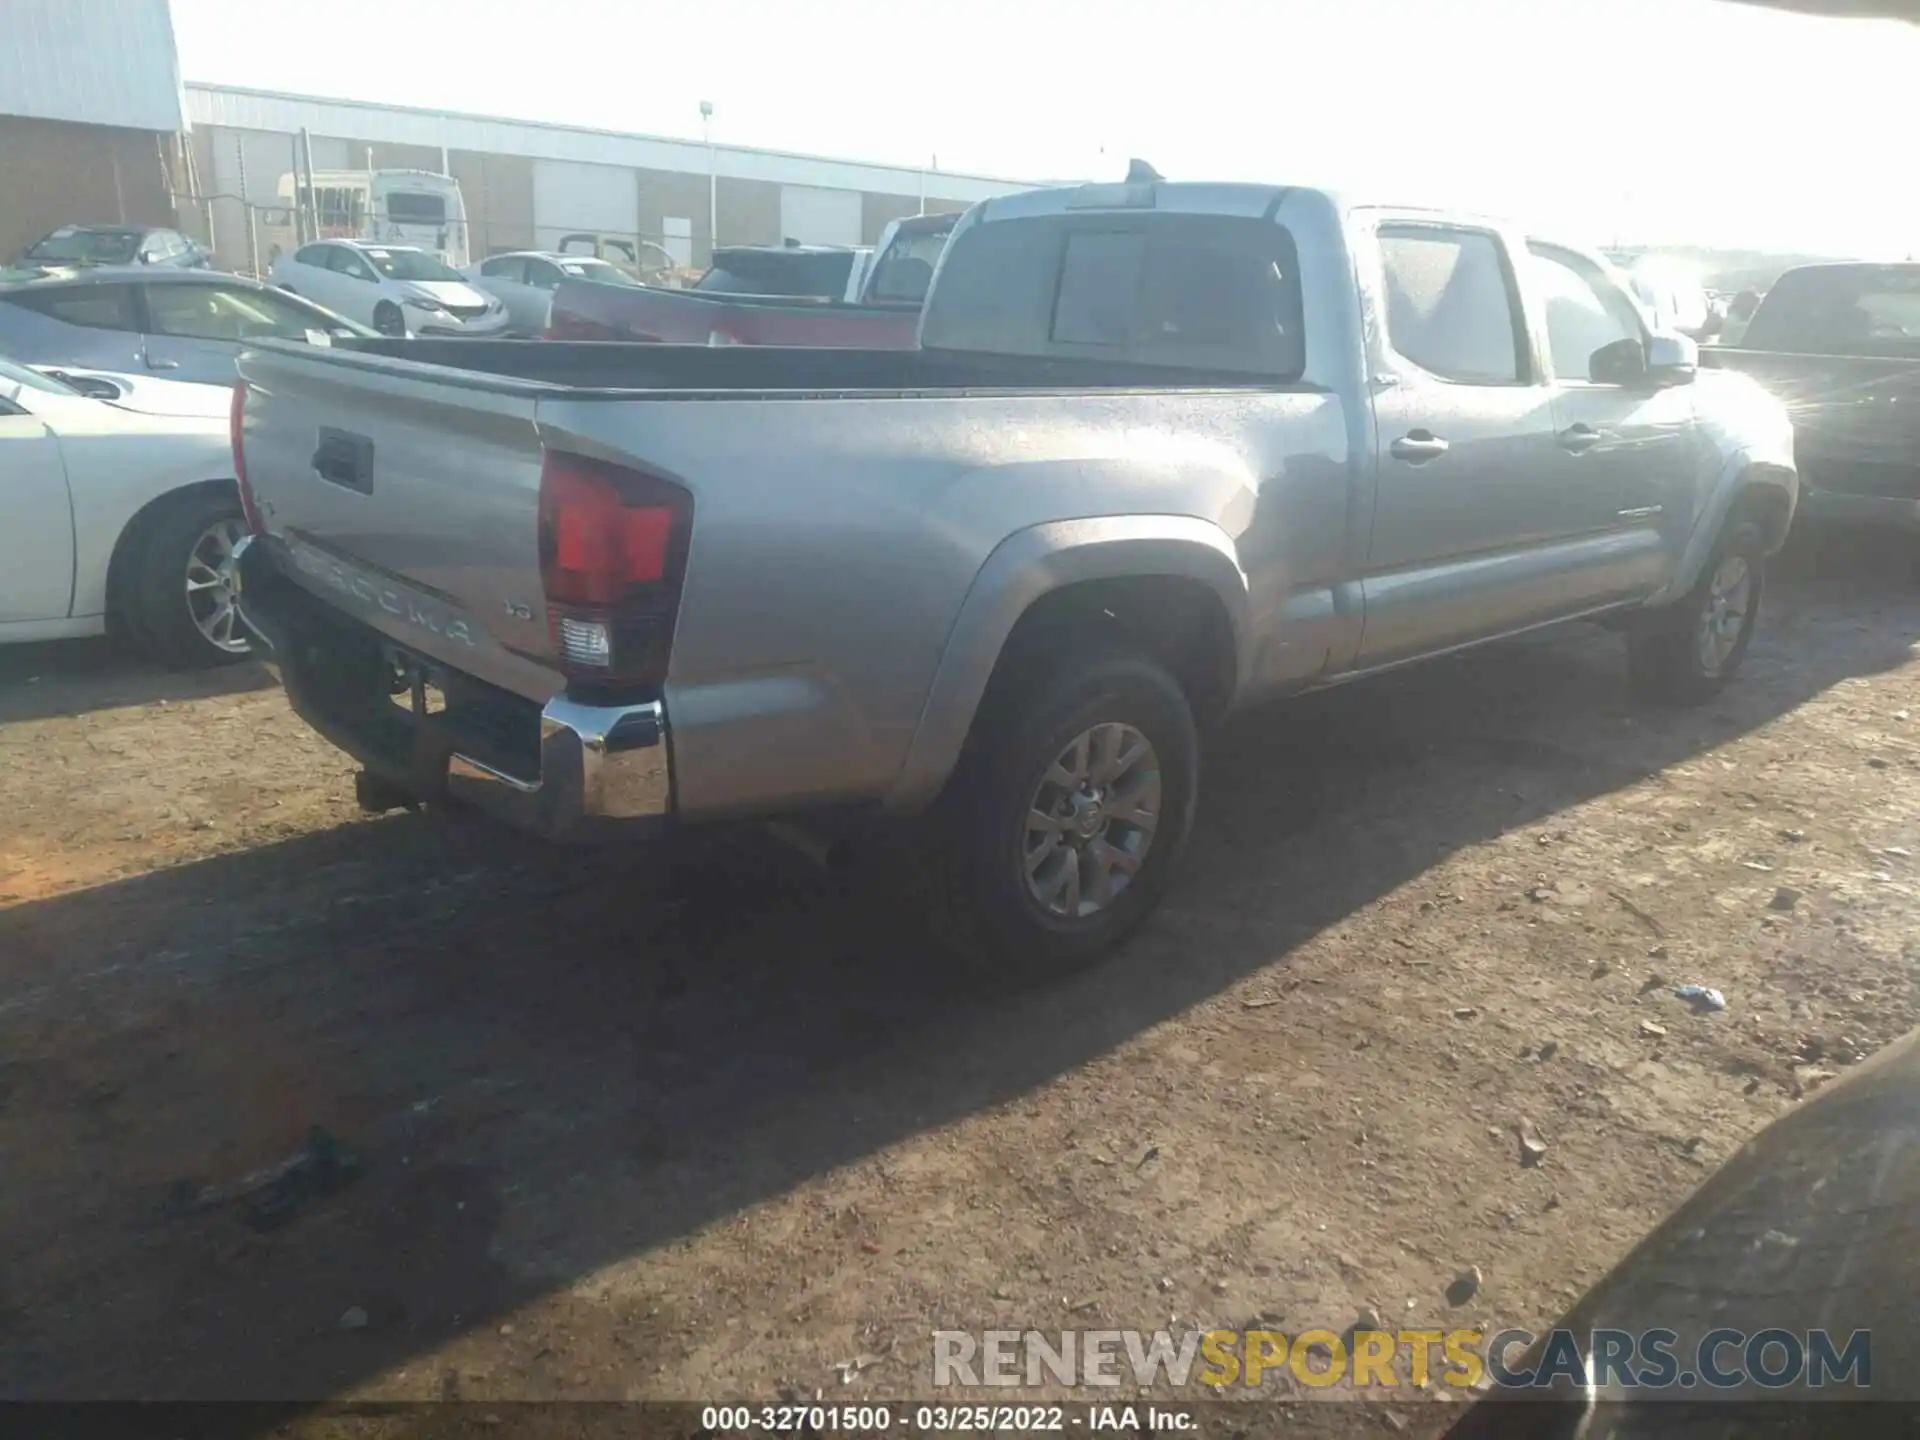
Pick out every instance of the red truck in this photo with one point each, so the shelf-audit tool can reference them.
(772, 295)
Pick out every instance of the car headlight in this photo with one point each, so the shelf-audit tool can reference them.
(421, 302)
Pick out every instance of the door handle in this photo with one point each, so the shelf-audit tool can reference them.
(1417, 447)
(163, 364)
(1580, 438)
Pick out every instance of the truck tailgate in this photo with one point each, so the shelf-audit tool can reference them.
(407, 496)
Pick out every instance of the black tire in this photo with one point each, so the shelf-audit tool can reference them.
(1665, 663)
(388, 320)
(984, 837)
(157, 617)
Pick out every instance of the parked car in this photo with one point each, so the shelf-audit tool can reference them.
(818, 297)
(639, 258)
(1673, 296)
(144, 394)
(524, 282)
(87, 245)
(181, 324)
(1740, 309)
(397, 289)
(117, 522)
(1840, 345)
(1144, 468)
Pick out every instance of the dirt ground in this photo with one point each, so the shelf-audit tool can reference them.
(706, 1129)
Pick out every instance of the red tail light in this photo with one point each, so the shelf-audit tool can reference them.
(613, 553)
(236, 425)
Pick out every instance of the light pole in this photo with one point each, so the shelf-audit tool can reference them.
(713, 179)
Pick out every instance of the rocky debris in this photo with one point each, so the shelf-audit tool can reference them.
(1652, 1029)
(1792, 835)
(1785, 898)
(1465, 1286)
(1532, 1148)
(353, 1318)
(276, 1194)
(1703, 999)
(1548, 1049)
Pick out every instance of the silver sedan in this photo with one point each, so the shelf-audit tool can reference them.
(524, 281)
(179, 324)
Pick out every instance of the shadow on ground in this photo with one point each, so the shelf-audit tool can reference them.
(591, 1054)
(72, 677)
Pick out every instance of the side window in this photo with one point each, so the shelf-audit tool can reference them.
(215, 312)
(97, 307)
(543, 275)
(347, 262)
(314, 255)
(503, 267)
(1450, 307)
(1584, 310)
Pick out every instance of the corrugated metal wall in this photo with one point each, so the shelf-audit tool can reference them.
(96, 62)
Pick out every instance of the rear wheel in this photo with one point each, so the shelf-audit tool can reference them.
(388, 320)
(1069, 811)
(179, 604)
(1686, 652)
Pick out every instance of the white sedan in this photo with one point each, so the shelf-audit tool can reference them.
(397, 289)
(118, 521)
(524, 282)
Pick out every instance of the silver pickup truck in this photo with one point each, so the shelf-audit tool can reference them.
(1164, 450)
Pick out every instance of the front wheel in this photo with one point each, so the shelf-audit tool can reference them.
(1070, 810)
(1686, 652)
(388, 320)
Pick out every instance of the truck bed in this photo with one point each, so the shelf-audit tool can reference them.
(643, 371)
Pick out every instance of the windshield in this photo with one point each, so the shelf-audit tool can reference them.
(410, 207)
(597, 270)
(801, 274)
(411, 265)
(73, 246)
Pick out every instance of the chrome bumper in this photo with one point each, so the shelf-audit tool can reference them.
(600, 767)
(598, 772)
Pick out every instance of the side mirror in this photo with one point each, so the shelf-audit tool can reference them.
(1672, 360)
(1619, 362)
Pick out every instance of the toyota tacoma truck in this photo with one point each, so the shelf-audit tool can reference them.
(1164, 450)
(1839, 345)
(795, 296)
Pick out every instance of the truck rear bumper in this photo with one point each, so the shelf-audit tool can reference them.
(565, 770)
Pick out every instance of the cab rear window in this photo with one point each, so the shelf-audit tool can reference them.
(1201, 292)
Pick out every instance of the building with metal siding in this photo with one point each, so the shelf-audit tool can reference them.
(90, 105)
(528, 183)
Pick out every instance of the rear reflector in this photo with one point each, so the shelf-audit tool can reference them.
(613, 548)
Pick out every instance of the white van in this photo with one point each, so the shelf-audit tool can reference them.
(394, 207)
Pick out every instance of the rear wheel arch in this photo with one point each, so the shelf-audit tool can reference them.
(1167, 588)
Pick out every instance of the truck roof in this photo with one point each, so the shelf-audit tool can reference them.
(1197, 197)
